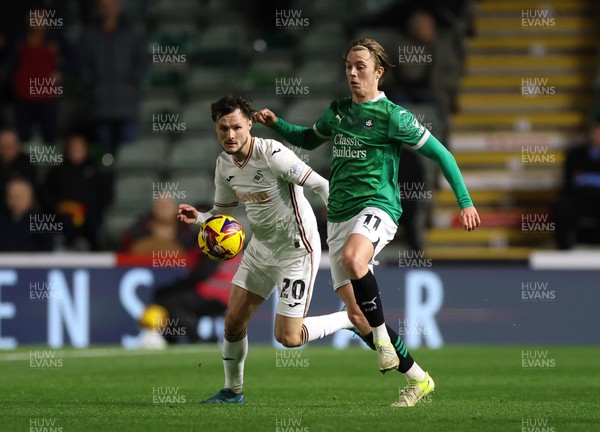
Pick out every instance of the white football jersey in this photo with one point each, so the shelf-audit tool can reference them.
(269, 183)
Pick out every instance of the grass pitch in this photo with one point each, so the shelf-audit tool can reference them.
(315, 389)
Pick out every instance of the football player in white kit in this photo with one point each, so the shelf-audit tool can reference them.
(285, 248)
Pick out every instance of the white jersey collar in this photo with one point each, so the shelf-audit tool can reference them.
(381, 95)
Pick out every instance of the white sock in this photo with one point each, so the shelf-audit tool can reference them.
(320, 326)
(380, 334)
(415, 372)
(234, 369)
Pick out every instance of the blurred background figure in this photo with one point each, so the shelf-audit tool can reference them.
(579, 201)
(431, 69)
(80, 192)
(158, 230)
(13, 162)
(202, 291)
(36, 65)
(112, 65)
(17, 235)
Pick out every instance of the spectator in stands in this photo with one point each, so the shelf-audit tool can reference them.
(158, 231)
(411, 179)
(11, 14)
(429, 68)
(36, 66)
(112, 66)
(580, 197)
(15, 221)
(204, 291)
(80, 192)
(13, 162)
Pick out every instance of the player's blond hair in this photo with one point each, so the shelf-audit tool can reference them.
(378, 54)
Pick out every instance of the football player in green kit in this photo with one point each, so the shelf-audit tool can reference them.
(367, 131)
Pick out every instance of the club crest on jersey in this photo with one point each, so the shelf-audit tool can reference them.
(259, 177)
(369, 123)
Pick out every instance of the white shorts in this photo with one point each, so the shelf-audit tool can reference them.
(260, 272)
(373, 223)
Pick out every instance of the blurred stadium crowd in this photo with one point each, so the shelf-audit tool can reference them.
(105, 104)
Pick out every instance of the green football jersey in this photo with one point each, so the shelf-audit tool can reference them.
(367, 139)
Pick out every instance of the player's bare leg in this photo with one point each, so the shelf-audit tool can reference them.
(241, 306)
(420, 383)
(354, 313)
(356, 255)
(294, 332)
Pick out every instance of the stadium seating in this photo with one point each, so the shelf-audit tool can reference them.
(497, 122)
(194, 154)
(145, 155)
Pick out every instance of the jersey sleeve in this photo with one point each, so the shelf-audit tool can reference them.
(286, 165)
(406, 129)
(225, 196)
(305, 137)
(321, 126)
(434, 150)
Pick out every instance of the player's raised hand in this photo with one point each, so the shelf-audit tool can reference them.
(265, 116)
(186, 213)
(469, 218)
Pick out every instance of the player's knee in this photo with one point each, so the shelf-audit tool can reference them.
(289, 340)
(234, 324)
(353, 265)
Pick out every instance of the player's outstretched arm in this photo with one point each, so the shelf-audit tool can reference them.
(265, 117)
(300, 136)
(434, 150)
(187, 214)
(318, 185)
(469, 218)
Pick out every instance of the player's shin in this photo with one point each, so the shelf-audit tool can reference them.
(318, 327)
(368, 299)
(235, 350)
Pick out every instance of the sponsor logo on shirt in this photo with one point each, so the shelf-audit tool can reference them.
(259, 177)
(345, 147)
(258, 197)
